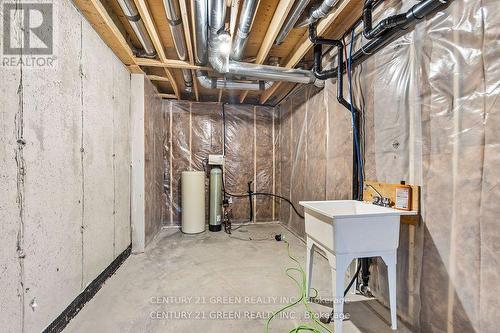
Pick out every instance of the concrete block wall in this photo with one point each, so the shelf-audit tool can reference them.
(64, 174)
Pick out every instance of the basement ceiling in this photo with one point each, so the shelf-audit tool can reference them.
(165, 71)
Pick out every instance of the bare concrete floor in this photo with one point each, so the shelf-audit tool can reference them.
(212, 283)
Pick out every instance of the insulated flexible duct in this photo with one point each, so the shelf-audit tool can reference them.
(211, 24)
(318, 13)
(130, 10)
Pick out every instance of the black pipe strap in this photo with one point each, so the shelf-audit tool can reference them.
(174, 22)
(133, 18)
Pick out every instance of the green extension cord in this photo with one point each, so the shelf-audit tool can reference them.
(302, 287)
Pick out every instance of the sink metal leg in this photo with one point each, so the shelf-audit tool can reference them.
(391, 261)
(309, 266)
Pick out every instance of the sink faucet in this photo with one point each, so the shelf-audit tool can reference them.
(379, 200)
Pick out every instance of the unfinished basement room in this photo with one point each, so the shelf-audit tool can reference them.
(265, 166)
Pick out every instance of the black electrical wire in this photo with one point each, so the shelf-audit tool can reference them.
(266, 194)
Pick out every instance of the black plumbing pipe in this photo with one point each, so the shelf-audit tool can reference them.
(326, 74)
(417, 12)
(323, 75)
(383, 35)
(383, 26)
(250, 194)
(357, 194)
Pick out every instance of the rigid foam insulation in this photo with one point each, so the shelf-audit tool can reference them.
(192, 131)
(430, 102)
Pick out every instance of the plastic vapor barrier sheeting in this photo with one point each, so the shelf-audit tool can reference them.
(153, 162)
(431, 106)
(195, 130)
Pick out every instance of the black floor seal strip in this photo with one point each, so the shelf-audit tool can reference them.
(78, 303)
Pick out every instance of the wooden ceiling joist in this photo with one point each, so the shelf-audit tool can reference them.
(168, 63)
(168, 96)
(142, 7)
(277, 21)
(268, 23)
(99, 18)
(158, 78)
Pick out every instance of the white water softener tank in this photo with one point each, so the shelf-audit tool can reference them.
(193, 201)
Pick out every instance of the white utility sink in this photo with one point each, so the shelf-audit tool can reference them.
(346, 230)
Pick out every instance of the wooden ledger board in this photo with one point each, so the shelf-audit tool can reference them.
(389, 191)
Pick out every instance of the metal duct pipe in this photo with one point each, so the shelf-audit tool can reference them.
(200, 18)
(297, 10)
(219, 49)
(175, 22)
(272, 73)
(130, 10)
(319, 12)
(247, 16)
(217, 83)
(217, 16)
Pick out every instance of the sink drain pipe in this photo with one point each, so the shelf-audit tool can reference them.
(357, 179)
(357, 164)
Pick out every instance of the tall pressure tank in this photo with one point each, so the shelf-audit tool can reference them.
(193, 201)
(215, 200)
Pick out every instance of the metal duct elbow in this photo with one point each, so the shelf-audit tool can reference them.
(318, 13)
(130, 10)
(219, 47)
(217, 83)
(297, 10)
(247, 16)
(219, 50)
(200, 21)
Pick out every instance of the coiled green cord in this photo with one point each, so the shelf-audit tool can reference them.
(302, 287)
